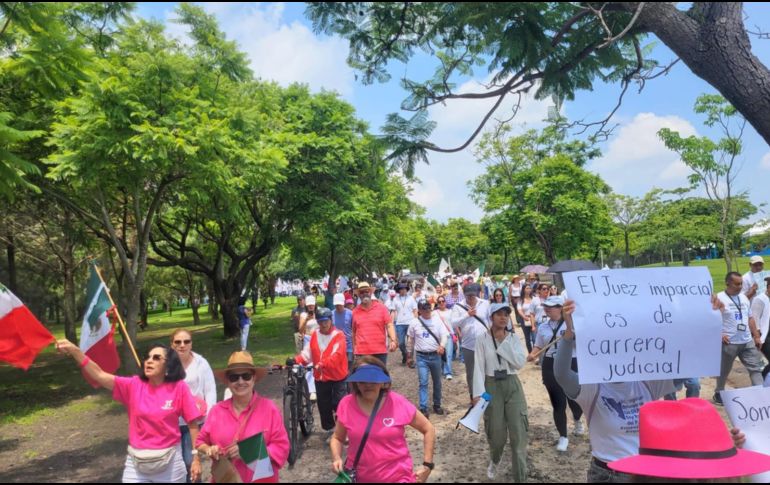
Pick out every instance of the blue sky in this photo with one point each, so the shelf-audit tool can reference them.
(282, 47)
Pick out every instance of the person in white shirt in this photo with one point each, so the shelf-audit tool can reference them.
(760, 308)
(749, 285)
(537, 311)
(740, 336)
(443, 314)
(428, 338)
(470, 319)
(551, 331)
(404, 311)
(499, 357)
(200, 379)
(612, 409)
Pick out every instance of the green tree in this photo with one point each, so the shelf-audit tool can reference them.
(629, 212)
(553, 48)
(714, 162)
(140, 124)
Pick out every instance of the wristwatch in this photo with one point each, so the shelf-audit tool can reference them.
(429, 465)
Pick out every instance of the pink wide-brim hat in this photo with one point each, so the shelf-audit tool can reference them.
(688, 439)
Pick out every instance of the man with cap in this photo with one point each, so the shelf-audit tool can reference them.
(548, 335)
(749, 284)
(499, 357)
(470, 319)
(404, 311)
(740, 336)
(327, 353)
(428, 339)
(454, 296)
(371, 325)
(343, 320)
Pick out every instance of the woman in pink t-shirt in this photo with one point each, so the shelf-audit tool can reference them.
(155, 400)
(385, 457)
(241, 417)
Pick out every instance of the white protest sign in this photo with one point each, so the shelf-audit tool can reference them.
(749, 411)
(759, 279)
(645, 324)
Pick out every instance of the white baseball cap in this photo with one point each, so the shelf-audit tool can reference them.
(310, 300)
(756, 259)
(339, 299)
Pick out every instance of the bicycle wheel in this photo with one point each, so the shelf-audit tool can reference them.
(306, 421)
(290, 423)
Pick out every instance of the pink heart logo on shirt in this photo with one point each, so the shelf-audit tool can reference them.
(388, 422)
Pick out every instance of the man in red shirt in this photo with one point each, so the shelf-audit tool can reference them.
(371, 321)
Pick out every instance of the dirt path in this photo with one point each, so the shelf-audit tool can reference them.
(86, 440)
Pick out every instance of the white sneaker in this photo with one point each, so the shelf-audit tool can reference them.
(492, 469)
(579, 428)
(449, 377)
(313, 397)
(562, 446)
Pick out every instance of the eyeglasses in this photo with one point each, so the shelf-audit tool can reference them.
(442, 301)
(155, 357)
(180, 342)
(234, 377)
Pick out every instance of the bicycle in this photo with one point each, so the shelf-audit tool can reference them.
(297, 407)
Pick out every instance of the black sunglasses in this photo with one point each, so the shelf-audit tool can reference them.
(245, 376)
(180, 342)
(155, 357)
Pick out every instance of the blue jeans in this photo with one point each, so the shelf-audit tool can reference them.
(450, 350)
(186, 448)
(401, 331)
(692, 385)
(429, 364)
(244, 336)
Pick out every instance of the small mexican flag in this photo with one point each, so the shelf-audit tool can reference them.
(97, 336)
(254, 453)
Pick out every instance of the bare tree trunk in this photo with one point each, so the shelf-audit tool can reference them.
(11, 253)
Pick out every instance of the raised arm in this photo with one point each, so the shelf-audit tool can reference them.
(90, 367)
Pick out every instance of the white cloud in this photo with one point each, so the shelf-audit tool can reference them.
(281, 51)
(765, 162)
(637, 160)
(428, 193)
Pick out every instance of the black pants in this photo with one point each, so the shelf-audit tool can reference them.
(766, 352)
(528, 337)
(559, 400)
(330, 393)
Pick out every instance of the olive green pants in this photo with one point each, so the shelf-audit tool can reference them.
(506, 416)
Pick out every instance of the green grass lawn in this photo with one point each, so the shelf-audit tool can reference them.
(716, 267)
(54, 380)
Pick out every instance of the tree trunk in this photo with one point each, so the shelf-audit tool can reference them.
(11, 253)
(196, 314)
(717, 49)
(628, 254)
(69, 304)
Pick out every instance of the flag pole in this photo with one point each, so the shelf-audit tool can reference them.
(120, 320)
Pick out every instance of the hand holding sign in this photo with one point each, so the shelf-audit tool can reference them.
(644, 324)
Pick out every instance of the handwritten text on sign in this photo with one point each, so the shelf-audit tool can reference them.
(645, 324)
(749, 411)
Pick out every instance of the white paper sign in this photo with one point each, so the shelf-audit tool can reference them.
(645, 324)
(759, 279)
(749, 411)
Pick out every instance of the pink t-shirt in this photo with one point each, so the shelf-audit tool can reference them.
(386, 457)
(222, 424)
(370, 326)
(154, 412)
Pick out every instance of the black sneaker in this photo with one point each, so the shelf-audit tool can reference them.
(425, 412)
(717, 399)
(438, 410)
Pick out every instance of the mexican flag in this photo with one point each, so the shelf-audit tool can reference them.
(254, 453)
(22, 336)
(479, 273)
(97, 336)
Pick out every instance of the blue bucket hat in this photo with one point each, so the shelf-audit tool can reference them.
(369, 373)
(553, 301)
(496, 307)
